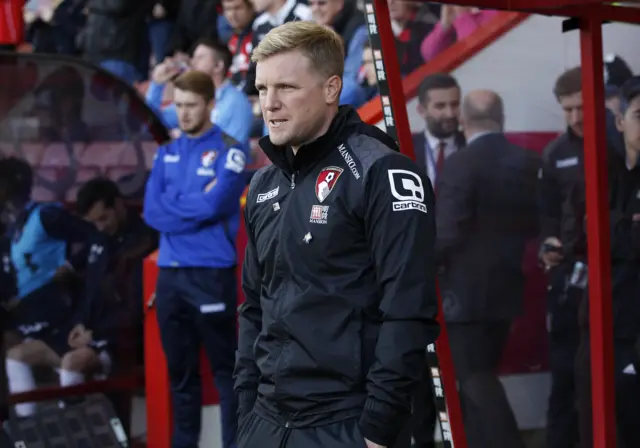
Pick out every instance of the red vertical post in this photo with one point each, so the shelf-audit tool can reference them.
(598, 239)
(394, 79)
(157, 387)
(399, 106)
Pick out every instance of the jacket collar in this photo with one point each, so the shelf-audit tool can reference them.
(308, 155)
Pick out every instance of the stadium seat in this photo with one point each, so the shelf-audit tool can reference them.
(85, 174)
(57, 155)
(117, 173)
(31, 152)
(40, 192)
(104, 154)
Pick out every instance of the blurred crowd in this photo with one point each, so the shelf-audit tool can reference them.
(157, 40)
(149, 44)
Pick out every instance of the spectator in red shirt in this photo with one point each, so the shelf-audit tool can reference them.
(409, 33)
(11, 24)
(240, 15)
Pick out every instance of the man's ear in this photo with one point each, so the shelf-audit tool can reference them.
(332, 89)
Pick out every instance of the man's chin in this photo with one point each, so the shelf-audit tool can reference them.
(189, 130)
(278, 139)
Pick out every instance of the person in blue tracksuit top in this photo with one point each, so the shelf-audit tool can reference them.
(40, 238)
(193, 200)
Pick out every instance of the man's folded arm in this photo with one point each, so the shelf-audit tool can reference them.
(400, 226)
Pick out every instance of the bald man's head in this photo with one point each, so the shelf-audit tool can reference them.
(482, 111)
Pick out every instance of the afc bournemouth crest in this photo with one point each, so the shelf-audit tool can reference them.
(326, 181)
(206, 164)
(208, 157)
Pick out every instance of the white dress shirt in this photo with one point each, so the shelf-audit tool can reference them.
(431, 152)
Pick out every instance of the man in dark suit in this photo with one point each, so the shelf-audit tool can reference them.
(485, 215)
(439, 105)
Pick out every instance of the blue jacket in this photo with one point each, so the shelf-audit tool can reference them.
(39, 243)
(232, 111)
(197, 228)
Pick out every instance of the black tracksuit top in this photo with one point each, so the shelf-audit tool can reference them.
(339, 279)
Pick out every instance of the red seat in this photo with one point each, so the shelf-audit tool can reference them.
(104, 154)
(31, 152)
(149, 149)
(85, 174)
(118, 172)
(57, 155)
(41, 193)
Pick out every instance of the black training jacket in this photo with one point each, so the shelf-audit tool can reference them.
(562, 171)
(624, 203)
(339, 279)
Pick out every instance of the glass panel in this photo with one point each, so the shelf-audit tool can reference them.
(74, 296)
(508, 315)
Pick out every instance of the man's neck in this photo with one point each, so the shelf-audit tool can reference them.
(202, 131)
(217, 81)
(472, 134)
(323, 130)
(122, 219)
(631, 158)
(275, 7)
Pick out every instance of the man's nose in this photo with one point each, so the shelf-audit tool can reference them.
(271, 101)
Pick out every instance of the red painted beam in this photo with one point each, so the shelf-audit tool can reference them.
(447, 61)
(598, 239)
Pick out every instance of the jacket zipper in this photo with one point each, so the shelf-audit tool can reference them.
(279, 257)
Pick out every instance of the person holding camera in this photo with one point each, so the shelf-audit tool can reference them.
(562, 171)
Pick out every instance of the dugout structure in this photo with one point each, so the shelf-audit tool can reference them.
(588, 17)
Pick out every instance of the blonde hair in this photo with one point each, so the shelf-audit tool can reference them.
(322, 45)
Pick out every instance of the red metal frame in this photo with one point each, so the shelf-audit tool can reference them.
(399, 106)
(157, 387)
(591, 15)
(595, 166)
(448, 61)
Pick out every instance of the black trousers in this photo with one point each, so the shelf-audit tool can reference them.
(476, 348)
(196, 308)
(424, 415)
(564, 339)
(627, 393)
(562, 413)
(256, 432)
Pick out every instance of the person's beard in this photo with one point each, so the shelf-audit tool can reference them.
(437, 129)
(197, 128)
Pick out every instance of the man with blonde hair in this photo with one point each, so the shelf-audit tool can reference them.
(339, 273)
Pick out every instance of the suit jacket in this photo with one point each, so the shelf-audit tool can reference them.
(486, 213)
(419, 142)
